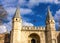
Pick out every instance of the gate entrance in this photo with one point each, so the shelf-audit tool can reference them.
(33, 38)
(33, 41)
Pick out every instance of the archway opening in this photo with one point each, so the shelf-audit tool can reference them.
(33, 38)
(33, 41)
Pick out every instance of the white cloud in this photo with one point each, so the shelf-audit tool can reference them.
(11, 11)
(25, 11)
(30, 3)
(44, 1)
(7, 3)
(22, 2)
(27, 24)
(49, 1)
(8, 26)
(3, 29)
(57, 17)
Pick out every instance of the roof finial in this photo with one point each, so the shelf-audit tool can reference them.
(18, 4)
(48, 8)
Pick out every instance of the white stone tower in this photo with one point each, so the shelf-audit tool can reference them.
(16, 27)
(50, 28)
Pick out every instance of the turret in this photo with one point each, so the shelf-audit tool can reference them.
(50, 23)
(16, 27)
(17, 21)
(50, 28)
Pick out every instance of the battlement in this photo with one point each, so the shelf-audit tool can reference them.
(32, 28)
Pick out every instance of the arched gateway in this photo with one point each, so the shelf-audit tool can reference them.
(33, 38)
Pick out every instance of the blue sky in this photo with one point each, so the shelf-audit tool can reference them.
(33, 12)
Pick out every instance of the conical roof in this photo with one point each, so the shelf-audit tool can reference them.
(49, 15)
(17, 13)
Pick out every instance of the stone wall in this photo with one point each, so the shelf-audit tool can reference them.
(26, 33)
(4, 38)
(58, 36)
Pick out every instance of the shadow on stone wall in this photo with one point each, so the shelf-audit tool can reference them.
(58, 38)
(7, 38)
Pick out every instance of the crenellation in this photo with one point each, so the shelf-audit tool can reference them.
(41, 28)
(38, 28)
(32, 28)
(35, 27)
(26, 27)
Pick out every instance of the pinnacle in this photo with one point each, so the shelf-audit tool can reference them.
(49, 14)
(17, 13)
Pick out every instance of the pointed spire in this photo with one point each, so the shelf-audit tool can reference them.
(49, 15)
(17, 13)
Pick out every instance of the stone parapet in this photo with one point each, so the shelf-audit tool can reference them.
(32, 28)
